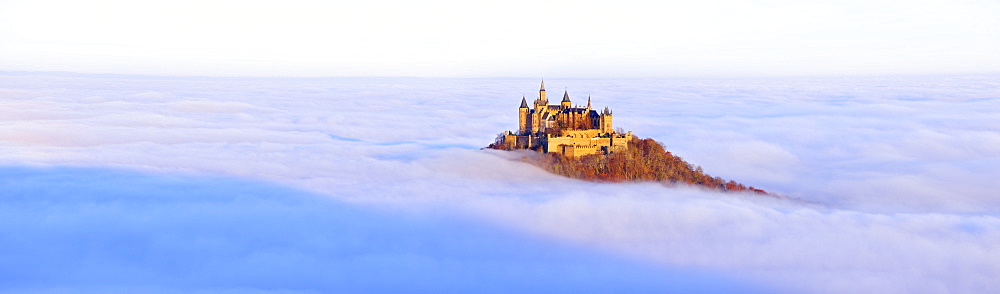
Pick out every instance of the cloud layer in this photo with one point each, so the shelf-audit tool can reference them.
(94, 230)
(894, 175)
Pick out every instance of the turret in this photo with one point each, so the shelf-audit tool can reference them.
(524, 125)
(535, 117)
(588, 104)
(541, 93)
(606, 117)
(565, 102)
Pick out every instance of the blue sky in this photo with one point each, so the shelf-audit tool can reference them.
(509, 39)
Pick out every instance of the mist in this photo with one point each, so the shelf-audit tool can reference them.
(890, 179)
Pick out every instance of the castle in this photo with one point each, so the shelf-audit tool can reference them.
(565, 129)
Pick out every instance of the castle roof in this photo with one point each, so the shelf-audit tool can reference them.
(543, 86)
(566, 96)
(578, 110)
(524, 103)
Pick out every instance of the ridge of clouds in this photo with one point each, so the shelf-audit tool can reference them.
(896, 173)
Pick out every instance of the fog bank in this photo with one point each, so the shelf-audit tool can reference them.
(894, 174)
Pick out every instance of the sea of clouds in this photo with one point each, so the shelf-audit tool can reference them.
(124, 183)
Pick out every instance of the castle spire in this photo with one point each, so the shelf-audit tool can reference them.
(565, 102)
(524, 102)
(541, 93)
(588, 101)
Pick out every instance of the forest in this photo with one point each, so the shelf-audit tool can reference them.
(644, 160)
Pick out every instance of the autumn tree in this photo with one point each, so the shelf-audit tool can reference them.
(643, 160)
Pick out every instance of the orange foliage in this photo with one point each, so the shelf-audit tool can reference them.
(644, 160)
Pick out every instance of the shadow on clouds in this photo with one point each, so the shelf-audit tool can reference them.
(901, 170)
(99, 230)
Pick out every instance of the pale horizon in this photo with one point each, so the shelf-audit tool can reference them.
(628, 39)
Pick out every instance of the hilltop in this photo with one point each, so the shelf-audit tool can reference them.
(643, 160)
(580, 142)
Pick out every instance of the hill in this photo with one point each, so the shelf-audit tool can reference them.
(643, 160)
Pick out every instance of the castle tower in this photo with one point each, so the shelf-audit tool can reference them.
(588, 104)
(541, 93)
(565, 102)
(540, 106)
(523, 112)
(606, 121)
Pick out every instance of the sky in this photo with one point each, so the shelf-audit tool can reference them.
(304, 185)
(436, 38)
